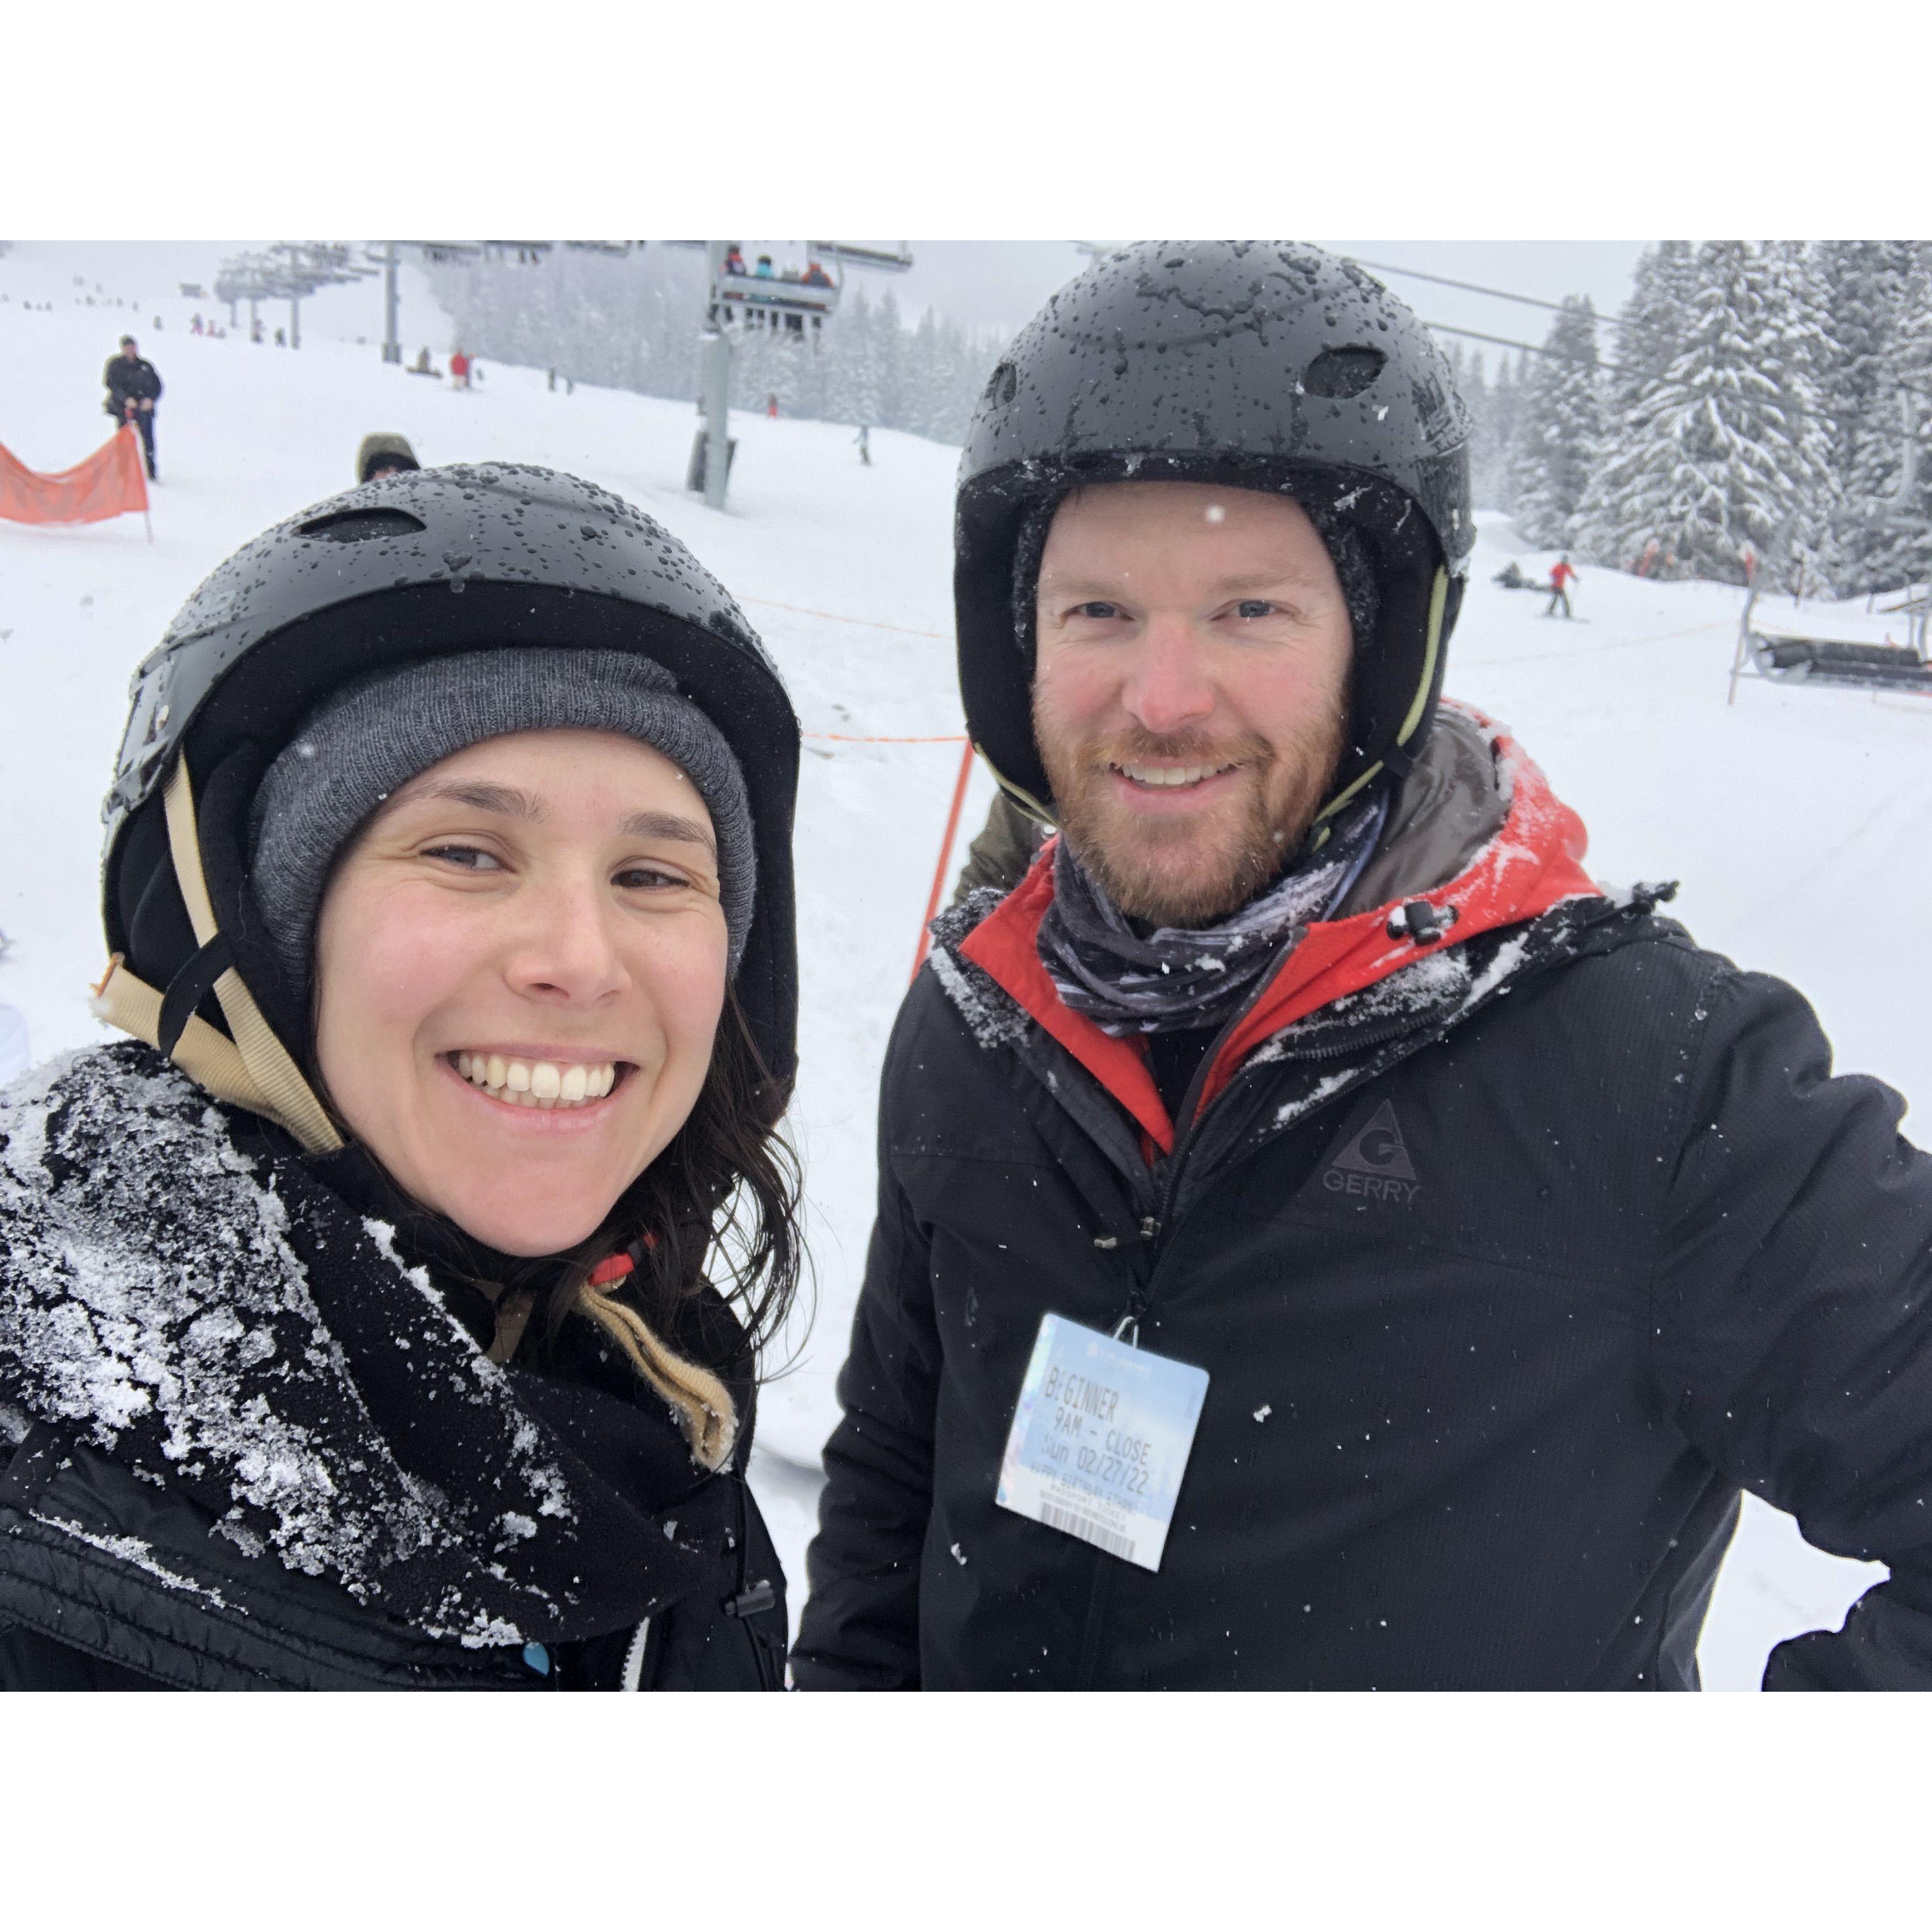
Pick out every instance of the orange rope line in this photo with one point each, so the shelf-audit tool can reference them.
(838, 617)
(851, 738)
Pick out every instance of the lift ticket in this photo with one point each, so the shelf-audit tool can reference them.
(1100, 1440)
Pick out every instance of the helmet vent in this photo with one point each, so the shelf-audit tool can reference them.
(357, 526)
(1003, 385)
(1340, 373)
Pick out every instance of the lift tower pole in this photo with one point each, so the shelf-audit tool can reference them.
(717, 392)
(392, 346)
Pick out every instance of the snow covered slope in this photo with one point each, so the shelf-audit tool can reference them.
(1791, 819)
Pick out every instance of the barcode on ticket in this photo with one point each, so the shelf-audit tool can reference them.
(1087, 1529)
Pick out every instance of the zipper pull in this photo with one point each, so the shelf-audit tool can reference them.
(1150, 1229)
(753, 1602)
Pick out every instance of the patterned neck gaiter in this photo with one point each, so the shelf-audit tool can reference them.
(1177, 978)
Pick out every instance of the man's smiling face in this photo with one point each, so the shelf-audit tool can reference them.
(1190, 690)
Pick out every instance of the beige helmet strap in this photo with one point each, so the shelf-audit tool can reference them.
(1038, 813)
(252, 1069)
(207, 1056)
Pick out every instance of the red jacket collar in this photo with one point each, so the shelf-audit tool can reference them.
(1533, 863)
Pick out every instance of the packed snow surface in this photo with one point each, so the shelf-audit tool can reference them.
(1792, 817)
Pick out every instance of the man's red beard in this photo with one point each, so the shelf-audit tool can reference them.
(1189, 870)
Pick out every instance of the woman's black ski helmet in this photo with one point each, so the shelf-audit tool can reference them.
(1266, 365)
(425, 564)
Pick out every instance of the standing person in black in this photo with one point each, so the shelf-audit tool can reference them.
(1325, 1239)
(133, 389)
(386, 1313)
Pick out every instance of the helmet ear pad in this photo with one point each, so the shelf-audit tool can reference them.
(154, 918)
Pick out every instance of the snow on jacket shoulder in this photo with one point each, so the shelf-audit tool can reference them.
(251, 1446)
(1509, 1264)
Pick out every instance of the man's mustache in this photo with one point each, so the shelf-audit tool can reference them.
(1178, 748)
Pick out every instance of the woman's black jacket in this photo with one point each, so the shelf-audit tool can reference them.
(254, 1446)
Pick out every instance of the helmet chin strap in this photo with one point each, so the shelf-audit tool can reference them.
(252, 1069)
(1397, 758)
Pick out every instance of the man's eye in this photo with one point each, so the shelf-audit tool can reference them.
(466, 858)
(1098, 609)
(1254, 606)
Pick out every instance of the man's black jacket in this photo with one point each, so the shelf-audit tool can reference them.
(129, 382)
(1508, 1273)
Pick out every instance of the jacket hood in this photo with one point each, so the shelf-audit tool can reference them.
(1483, 807)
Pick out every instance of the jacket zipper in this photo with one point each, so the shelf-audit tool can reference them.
(1155, 1227)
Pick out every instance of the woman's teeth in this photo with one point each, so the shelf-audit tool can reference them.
(536, 1083)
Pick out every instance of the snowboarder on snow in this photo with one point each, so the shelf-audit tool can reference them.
(864, 440)
(133, 389)
(1324, 1240)
(459, 370)
(1560, 578)
(459, 953)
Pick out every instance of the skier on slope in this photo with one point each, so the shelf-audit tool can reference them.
(1324, 1240)
(360, 1338)
(133, 389)
(1561, 578)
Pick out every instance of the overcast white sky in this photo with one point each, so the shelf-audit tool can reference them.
(999, 284)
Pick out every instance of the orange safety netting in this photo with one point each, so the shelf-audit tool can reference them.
(108, 484)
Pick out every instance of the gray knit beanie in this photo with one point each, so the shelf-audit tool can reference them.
(372, 736)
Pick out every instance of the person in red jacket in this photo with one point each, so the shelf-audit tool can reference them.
(1561, 578)
(459, 370)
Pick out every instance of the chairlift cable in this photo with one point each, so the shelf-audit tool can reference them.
(1478, 289)
(1509, 342)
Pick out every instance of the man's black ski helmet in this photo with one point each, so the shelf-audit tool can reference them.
(1266, 365)
(422, 565)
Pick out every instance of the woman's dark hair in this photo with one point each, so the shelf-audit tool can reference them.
(727, 1183)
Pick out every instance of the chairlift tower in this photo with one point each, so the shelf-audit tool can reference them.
(799, 306)
(287, 272)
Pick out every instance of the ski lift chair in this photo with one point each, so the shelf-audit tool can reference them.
(772, 302)
(1789, 658)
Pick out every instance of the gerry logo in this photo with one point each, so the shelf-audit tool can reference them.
(1375, 1163)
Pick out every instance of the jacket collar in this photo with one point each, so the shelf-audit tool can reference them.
(1531, 864)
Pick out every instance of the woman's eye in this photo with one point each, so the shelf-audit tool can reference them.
(466, 858)
(649, 878)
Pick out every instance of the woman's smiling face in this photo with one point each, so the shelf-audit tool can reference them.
(520, 966)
